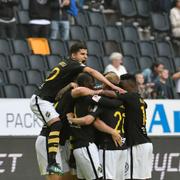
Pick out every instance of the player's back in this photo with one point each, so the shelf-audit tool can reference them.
(82, 135)
(113, 117)
(60, 76)
(135, 123)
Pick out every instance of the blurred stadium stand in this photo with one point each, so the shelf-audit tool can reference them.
(21, 71)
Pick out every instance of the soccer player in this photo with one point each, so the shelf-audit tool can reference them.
(139, 164)
(42, 101)
(63, 106)
(112, 156)
(85, 151)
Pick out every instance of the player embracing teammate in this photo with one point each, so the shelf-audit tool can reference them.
(106, 127)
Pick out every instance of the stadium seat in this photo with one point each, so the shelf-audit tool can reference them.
(160, 22)
(129, 48)
(147, 48)
(71, 42)
(34, 77)
(127, 8)
(37, 62)
(145, 62)
(18, 61)
(167, 63)
(176, 62)
(5, 47)
(82, 19)
(164, 48)
(111, 18)
(24, 4)
(28, 90)
(131, 65)
(113, 33)
(20, 47)
(53, 61)
(15, 76)
(1, 92)
(58, 47)
(143, 8)
(77, 33)
(105, 61)
(110, 47)
(95, 63)
(96, 18)
(94, 48)
(23, 23)
(2, 78)
(130, 33)
(12, 91)
(95, 33)
(23, 17)
(3, 62)
(39, 46)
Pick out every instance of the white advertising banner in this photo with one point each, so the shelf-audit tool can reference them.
(16, 118)
(163, 117)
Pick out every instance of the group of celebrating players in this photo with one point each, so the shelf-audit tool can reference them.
(91, 133)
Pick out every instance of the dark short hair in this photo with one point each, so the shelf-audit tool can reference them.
(156, 64)
(76, 47)
(86, 80)
(128, 77)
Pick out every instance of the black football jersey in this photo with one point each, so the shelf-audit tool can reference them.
(113, 117)
(82, 135)
(61, 75)
(135, 124)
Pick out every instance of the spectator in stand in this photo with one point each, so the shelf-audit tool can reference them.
(162, 90)
(152, 74)
(176, 77)
(7, 19)
(116, 66)
(40, 16)
(72, 11)
(175, 19)
(60, 24)
(145, 90)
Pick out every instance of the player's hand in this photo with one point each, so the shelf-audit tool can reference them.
(74, 85)
(118, 89)
(70, 117)
(117, 138)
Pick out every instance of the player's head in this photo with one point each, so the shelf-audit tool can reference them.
(78, 52)
(85, 80)
(113, 78)
(128, 83)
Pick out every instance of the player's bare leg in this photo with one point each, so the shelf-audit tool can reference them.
(53, 145)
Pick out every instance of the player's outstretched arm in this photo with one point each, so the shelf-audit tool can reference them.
(106, 102)
(101, 78)
(86, 120)
(83, 91)
(103, 127)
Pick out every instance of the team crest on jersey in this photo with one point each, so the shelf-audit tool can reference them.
(48, 114)
(63, 64)
(42, 1)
